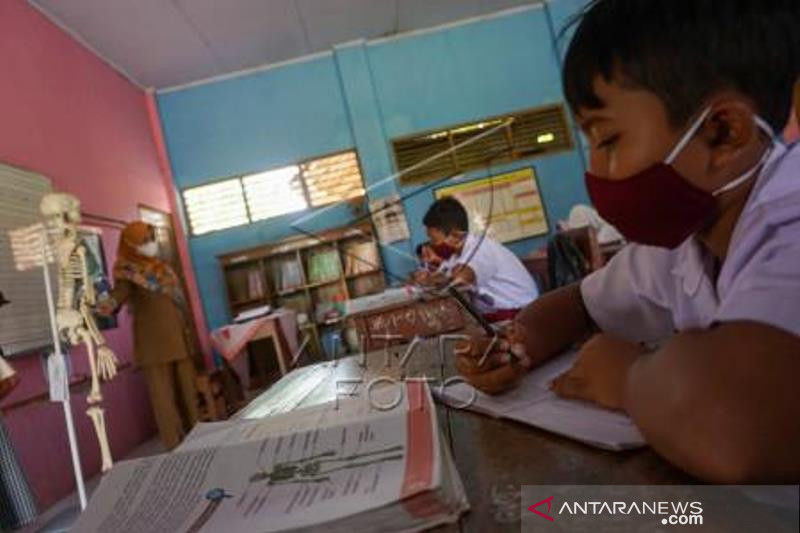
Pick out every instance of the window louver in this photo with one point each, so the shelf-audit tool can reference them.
(332, 179)
(241, 200)
(532, 133)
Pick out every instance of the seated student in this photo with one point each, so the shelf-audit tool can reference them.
(429, 265)
(680, 101)
(503, 285)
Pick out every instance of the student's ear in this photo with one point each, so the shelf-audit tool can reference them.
(728, 131)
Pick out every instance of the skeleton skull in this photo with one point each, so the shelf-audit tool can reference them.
(61, 208)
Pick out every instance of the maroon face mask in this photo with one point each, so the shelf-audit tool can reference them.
(657, 206)
(443, 250)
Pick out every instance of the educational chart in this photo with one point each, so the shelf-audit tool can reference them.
(389, 219)
(508, 206)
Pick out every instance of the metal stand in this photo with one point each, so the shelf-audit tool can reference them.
(73, 441)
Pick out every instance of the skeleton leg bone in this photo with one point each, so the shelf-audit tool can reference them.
(95, 412)
(94, 393)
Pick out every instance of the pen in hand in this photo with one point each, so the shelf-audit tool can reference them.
(487, 327)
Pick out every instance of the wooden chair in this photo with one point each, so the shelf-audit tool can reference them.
(211, 396)
(585, 239)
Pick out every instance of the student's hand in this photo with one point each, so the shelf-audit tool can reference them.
(486, 363)
(433, 279)
(463, 276)
(600, 372)
(419, 276)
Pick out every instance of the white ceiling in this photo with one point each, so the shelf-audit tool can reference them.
(163, 43)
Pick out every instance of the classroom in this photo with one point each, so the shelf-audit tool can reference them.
(399, 265)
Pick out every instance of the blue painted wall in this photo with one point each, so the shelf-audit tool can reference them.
(461, 73)
(361, 96)
(245, 124)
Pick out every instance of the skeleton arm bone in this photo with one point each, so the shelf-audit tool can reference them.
(106, 359)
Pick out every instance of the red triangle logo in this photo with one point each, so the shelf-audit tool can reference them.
(549, 502)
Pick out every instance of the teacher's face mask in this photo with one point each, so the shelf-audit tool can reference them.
(657, 206)
(148, 249)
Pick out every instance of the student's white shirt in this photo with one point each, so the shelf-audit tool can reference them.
(646, 293)
(501, 280)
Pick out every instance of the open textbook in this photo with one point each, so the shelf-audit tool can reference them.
(533, 403)
(346, 466)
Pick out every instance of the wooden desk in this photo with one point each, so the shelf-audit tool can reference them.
(400, 323)
(230, 341)
(485, 450)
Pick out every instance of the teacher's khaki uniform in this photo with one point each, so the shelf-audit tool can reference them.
(164, 350)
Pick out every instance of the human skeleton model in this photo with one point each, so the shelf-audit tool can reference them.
(74, 319)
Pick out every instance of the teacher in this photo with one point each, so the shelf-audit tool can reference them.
(163, 342)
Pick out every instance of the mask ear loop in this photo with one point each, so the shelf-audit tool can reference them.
(766, 128)
(761, 123)
(687, 136)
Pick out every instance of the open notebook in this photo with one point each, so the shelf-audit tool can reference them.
(534, 404)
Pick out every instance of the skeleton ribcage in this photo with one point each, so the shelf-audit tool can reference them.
(68, 276)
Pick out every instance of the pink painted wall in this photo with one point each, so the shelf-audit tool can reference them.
(66, 114)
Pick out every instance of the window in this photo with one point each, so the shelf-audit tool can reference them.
(24, 324)
(241, 200)
(273, 193)
(332, 179)
(527, 134)
(215, 206)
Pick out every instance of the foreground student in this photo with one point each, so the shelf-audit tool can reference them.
(700, 317)
(502, 284)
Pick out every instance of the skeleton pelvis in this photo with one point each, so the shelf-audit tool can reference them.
(69, 319)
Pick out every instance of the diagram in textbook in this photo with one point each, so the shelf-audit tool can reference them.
(316, 468)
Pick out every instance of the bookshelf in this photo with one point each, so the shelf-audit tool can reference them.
(314, 275)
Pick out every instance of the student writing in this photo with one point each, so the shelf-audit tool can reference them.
(680, 101)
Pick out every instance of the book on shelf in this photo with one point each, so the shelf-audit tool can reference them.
(290, 274)
(361, 257)
(323, 266)
(255, 284)
(342, 466)
(364, 285)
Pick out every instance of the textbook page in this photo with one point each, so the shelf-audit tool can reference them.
(274, 480)
(533, 403)
(358, 408)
